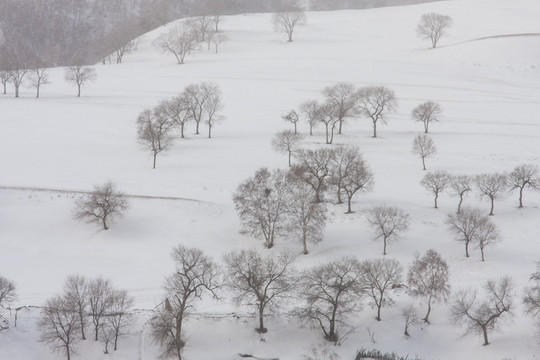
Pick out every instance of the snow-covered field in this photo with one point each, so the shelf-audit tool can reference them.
(489, 90)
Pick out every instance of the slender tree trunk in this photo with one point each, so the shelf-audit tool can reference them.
(467, 248)
(37, 92)
(155, 156)
(426, 318)
(96, 327)
(460, 202)
(78, 90)
(339, 200)
(197, 127)
(384, 245)
(290, 154)
(261, 329)
(406, 329)
(482, 251)
(374, 128)
(426, 126)
(16, 91)
(310, 125)
(304, 242)
(182, 131)
(349, 211)
(379, 305)
(209, 131)
(327, 133)
(68, 352)
(424, 163)
(484, 331)
(340, 124)
(105, 227)
(436, 197)
(521, 197)
(492, 206)
(295, 128)
(81, 320)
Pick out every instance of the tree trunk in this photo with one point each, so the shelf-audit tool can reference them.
(96, 329)
(482, 251)
(16, 91)
(339, 200)
(436, 197)
(105, 227)
(466, 248)
(374, 128)
(78, 90)
(304, 242)
(424, 163)
(492, 206)
(81, 319)
(261, 329)
(340, 124)
(295, 128)
(406, 329)
(521, 197)
(327, 134)
(197, 127)
(182, 131)
(484, 331)
(460, 202)
(426, 318)
(349, 211)
(154, 166)
(310, 125)
(290, 154)
(378, 318)
(209, 131)
(68, 352)
(426, 126)
(384, 246)
(37, 92)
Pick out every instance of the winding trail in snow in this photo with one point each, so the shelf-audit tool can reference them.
(492, 37)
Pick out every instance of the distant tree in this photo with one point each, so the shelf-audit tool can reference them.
(100, 300)
(432, 26)
(375, 102)
(465, 225)
(16, 59)
(424, 146)
(461, 185)
(328, 116)
(427, 113)
(428, 277)
(491, 186)
(178, 112)
(410, 317)
(436, 182)
(263, 282)
(195, 274)
(39, 77)
(287, 19)
(341, 165)
(212, 108)
(153, 129)
(102, 205)
(524, 176)
(7, 295)
(311, 109)
(377, 276)
(200, 98)
(359, 178)
(118, 319)
(76, 295)
(482, 317)
(5, 77)
(80, 75)
(180, 41)
(217, 38)
(531, 297)
(307, 218)
(331, 293)
(202, 25)
(58, 325)
(342, 98)
(106, 335)
(262, 205)
(292, 117)
(388, 223)
(486, 235)
(314, 168)
(286, 141)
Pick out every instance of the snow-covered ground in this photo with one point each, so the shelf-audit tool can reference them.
(489, 90)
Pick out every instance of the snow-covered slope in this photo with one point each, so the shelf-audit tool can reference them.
(489, 90)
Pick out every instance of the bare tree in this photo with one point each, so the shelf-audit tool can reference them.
(482, 317)
(262, 205)
(465, 225)
(432, 26)
(311, 109)
(388, 223)
(460, 185)
(491, 186)
(379, 275)
(76, 295)
(287, 19)
(197, 97)
(286, 141)
(178, 112)
(314, 168)
(263, 282)
(16, 60)
(80, 75)
(58, 325)
(292, 117)
(5, 77)
(410, 317)
(180, 41)
(102, 205)
(100, 300)
(359, 178)
(7, 295)
(341, 164)
(195, 274)
(428, 278)
(217, 39)
(212, 108)
(342, 98)
(331, 293)
(202, 25)
(328, 116)
(375, 102)
(486, 235)
(436, 182)
(153, 127)
(427, 113)
(424, 146)
(531, 297)
(106, 335)
(307, 218)
(524, 176)
(39, 77)
(118, 318)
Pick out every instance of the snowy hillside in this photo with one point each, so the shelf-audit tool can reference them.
(489, 90)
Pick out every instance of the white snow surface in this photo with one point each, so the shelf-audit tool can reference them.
(489, 90)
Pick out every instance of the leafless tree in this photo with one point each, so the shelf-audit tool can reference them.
(262, 205)
(428, 278)
(524, 176)
(424, 146)
(307, 218)
(460, 185)
(436, 182)
(342, 98)
(106, 335)
(292, 117)
(198, 96)
(118, 318)
(153, 130)
(311, 109)
(388, 223)
(432, 26)
(427, 113)
(217, 39)
(76, 295)
(287, 142)
(80, 75)
(465, 225)
(39, 77)
(180, 41)
(102, 205)
(58, 325)
(314, 168)
(375, 102)
(7, 295)
(491, 186)
(202, 25)
(100, 300)
(16, 60)
(359, 178)
(531, 297)
(331, 293)
(328, 116)
(486, 235)
(341, 164)
(212, 108)
(410, 316)
(287, 19)
(481, 317)
(378, 276)
(195, 274)
(263, 282)
(178, 112)
(5, 77)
